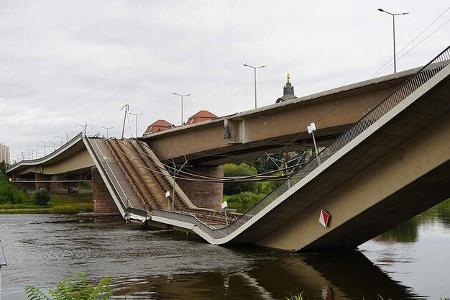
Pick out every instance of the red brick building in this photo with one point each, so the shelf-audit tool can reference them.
(201, 116)
(158, 126)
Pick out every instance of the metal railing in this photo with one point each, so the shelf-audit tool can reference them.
(44, 158)
(407, 88)
(103, 169)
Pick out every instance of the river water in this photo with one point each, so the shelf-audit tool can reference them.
(411, 261)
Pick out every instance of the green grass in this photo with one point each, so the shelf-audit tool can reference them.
(16, 201)
(59, 204)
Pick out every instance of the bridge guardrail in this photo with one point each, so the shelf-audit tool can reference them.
(62, 148)
(100, 164)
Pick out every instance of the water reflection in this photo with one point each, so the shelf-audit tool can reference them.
(408, 261)
(407, 232)
(318, 276)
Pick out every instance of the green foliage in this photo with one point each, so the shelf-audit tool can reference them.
(9, 193)
(3, 167)
(243, 201)
(243, 195)
(74, 288)
(40, 196)
(33, 293)
(235, 170)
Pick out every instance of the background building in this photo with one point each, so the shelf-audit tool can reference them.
(4, 153)
(201, 116)
(158, 126)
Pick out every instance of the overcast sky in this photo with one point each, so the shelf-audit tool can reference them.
(69, 62)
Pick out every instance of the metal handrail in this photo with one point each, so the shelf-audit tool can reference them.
(48, 156)
(88, 142)
(407, 88)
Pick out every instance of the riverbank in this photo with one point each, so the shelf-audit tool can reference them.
(58, 204)
(16, 201)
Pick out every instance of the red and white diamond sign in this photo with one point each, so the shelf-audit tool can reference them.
(324, 218)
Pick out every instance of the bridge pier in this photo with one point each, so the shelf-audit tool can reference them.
(103, 202)
(38, 178)
(204, 194)
(56, 186)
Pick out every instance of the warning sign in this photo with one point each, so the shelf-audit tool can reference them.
(324, 218)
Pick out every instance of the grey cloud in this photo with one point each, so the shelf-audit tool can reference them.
(67, 62)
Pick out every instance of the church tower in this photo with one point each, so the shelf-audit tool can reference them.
(288, 91)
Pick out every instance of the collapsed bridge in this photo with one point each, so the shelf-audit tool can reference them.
(386, 163)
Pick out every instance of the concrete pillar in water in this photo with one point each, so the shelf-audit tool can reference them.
(204, 194)
(103, 202)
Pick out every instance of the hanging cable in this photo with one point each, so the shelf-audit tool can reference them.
(209, 180)
(260, 175)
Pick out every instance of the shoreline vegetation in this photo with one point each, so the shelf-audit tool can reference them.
(16, 201)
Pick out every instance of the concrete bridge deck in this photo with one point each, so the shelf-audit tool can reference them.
(250, 134)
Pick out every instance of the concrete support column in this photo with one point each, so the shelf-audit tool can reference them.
(38, 178)
(56, 186)
(204, 194)
(103, 202)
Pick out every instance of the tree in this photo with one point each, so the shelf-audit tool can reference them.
(236, 170)
(3, 167)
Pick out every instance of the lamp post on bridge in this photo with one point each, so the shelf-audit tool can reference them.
(136, 115)
(311, 128)
(393, 31)
(85, 127)
(254, 77)
(61, 139)
(107, 130)
(182, 104)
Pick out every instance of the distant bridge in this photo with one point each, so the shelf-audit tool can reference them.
(386, 160)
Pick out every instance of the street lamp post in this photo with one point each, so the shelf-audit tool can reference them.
(61, 139)
(85, 127)
(254, 77)
(393, 32)
(107, 130)
(136, 118)
(182, 105)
